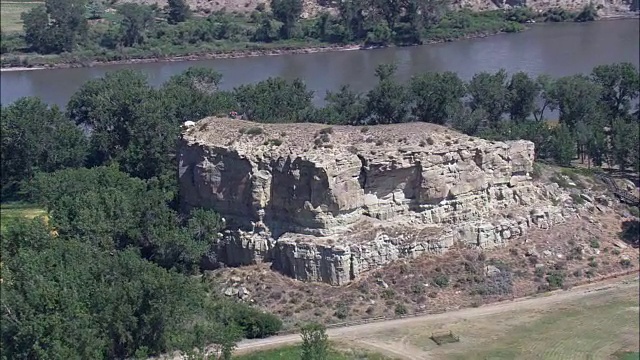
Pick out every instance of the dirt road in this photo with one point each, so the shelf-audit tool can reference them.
(357, 331)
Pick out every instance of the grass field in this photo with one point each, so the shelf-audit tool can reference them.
(13, 210)
(293, 353)
(10, 14)
(628, 355)
(598, 326)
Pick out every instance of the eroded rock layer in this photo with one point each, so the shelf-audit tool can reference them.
(328, 203)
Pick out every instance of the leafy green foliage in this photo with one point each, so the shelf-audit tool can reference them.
(315, 342)
(178, 11)
(121, 305)
(138, 31)
(489, 92)
(273, 100)
(35, 137)
(287, 12)
(438, 96)
(56, 27)
(441, 280)
(387, 102)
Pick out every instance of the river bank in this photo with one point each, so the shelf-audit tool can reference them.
(27, 62)
(234, 54)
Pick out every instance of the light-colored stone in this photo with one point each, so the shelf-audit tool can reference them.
(231, 291)
(328, 205)
(587, 197)
(491, 270)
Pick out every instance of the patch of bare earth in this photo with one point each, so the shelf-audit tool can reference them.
(576, 251)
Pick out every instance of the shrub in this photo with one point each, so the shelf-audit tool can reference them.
(555, 279)
(498, 284)
(254, 131)
(615, 252)
(539, 272)
(594, 243)
(593, 264)
(276, 142)
(577, 273)
(342, 311)
(400, 309)
(577, 199)
(255, 323)
(417, 289)
(364, 129)
(327, 130)
(388, 294)
(441, 280)
(626, 263)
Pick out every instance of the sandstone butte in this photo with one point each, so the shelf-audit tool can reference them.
(326, 204)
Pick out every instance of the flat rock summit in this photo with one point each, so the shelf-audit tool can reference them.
(327, 203)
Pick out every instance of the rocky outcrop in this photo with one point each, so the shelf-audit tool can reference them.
(327, 204)
(604, 7)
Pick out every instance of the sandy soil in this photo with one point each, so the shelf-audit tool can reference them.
(362, 334)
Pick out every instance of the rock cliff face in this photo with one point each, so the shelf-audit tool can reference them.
(328, 203)
(605, 7)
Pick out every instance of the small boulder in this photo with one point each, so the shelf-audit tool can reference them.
(587, 198)
(547, 253)
(231, 291)
(491, 270)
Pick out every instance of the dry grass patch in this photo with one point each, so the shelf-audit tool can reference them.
(596, 326)
(10, 12)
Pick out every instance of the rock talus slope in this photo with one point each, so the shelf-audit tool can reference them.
(329, 203)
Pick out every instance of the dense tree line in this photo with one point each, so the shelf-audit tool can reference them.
(117, 255)
(109, 274)
(135, 30)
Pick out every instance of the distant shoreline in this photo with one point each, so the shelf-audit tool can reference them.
(285, 50)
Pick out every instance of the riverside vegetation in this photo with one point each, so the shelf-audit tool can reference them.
(116, 255)
(80, 32)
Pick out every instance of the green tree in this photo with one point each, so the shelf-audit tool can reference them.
(620, 85)
(67, 22)
(588, 13)
(380, 35)
(578, 100)
(56, 27)
(108, 107)
(288, 12)
(36, 32)
(273, 100)
(490, 93)
(136, 21)
(95, 9)
(35, 137)
(437, 96)
(597, 147)
(178, 11)
(546, 88)
(562, 145)
(345, 107)
(624, 143)
(523, 93)
(65, 299)
(194, 95)
(315, 342)
(388, 102)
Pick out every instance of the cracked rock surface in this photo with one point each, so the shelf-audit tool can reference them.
(329, 203)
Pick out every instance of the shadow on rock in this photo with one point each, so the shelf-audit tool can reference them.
(630, 233)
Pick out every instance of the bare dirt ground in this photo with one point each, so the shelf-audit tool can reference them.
(597, 319)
